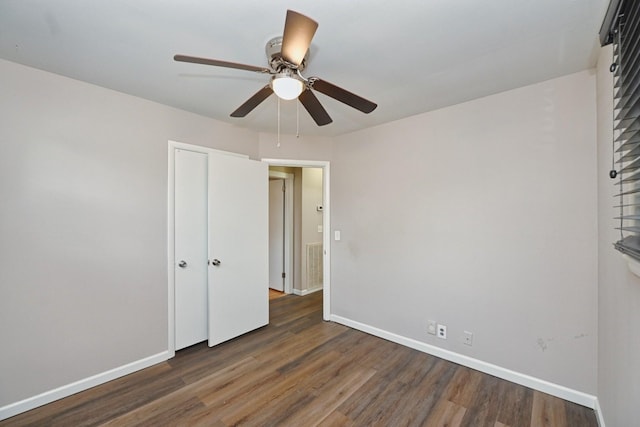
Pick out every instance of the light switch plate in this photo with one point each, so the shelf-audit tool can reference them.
(431, 327)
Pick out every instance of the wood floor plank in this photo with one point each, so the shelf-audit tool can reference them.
(297, 350)
(180, 403)
(205, 417)
(302, 323)
(547, 411)
(302, 371)
(463, 386)
(229, 353)
(385, 356)
(78, 402)
(396, 364)
(446, 414)
(417, 405)
(280, 312)
(358, 345)
(578, 415)
(328, 385)
(329, 397)
(336, 419)
(387, 396)
(110, 405)
(417, 368)
(158, 415)
(225, 394)
(394, 401)
(515, 404)
(483, 409)
(270, 393)
(313, 396)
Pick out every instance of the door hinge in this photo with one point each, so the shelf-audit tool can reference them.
(284, 275)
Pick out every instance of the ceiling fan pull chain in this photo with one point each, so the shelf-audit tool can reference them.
(297, 120)
(278, 144)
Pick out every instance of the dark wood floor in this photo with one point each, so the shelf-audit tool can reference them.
(301, 371)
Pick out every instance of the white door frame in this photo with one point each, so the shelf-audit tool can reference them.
(171, 188)
(288, 228)
(326, 225)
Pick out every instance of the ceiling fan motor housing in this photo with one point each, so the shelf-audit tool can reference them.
(273, 50)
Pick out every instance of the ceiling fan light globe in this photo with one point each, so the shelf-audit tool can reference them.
(286, 87)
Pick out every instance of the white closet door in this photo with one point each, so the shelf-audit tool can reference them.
(238, 246)
(190, 248)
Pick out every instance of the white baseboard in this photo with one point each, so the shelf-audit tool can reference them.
(562, 392)
(306, 291)
(599, 416)
(83, 384)
(507, 374)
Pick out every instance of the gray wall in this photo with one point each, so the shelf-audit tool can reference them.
(481, 216)
(83, 226)
(619, 289)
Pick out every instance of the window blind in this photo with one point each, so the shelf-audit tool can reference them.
(624, 33)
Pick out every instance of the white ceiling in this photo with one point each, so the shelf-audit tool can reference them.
(409, 56)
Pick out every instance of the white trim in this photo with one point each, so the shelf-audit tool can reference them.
(200, 149)
(81, 385)
(326, 221)
(171, 249)
(599, 416)
(288, 228)
(516, 377)
(306, 291)
(171, 187)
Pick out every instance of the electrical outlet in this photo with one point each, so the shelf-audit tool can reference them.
(431, 327)
(467, 338)
(442, 331)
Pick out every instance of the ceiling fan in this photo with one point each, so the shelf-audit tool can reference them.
(287, 57)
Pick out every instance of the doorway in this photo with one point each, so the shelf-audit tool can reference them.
(325, 209)
(281, 231)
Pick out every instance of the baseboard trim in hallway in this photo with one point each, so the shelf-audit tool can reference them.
(306, 291)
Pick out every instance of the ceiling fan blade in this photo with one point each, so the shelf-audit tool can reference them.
(298, 32)
(315, 109)
(253, 102)
(217, 63)
(343, 96)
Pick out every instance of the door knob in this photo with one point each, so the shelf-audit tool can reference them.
(182, 264)
(216, 262)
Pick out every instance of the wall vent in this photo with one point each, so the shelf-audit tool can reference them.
(314, 265)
